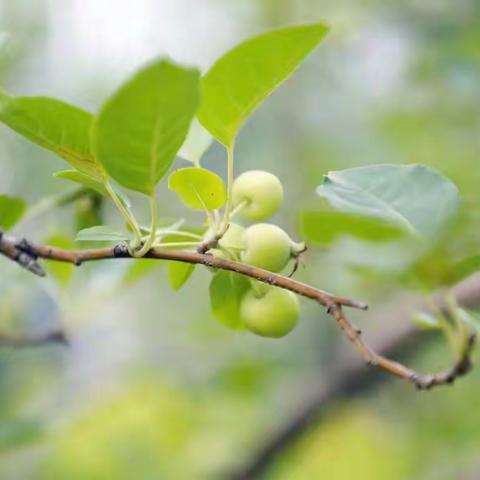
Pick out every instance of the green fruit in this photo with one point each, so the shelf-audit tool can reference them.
(260, 191)
(233, 237)
(266, 246)
(272, 315)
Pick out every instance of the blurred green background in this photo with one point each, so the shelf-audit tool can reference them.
(151, 386)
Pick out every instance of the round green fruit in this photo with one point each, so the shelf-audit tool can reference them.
(233, 237)
(260, 192)
(274, 314)
(266, 246)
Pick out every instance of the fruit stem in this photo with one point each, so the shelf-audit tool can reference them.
(238, 208)
(228, 207)
(258, 289)
(182, 233)
(176, 244)
(129, 218)
(153, 230)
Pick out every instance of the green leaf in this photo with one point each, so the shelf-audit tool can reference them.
(141, 127)
(239, 81)
(226, 291)
(179, 273)
(100, 233)
(11, 211)
(198, 141)
(82, 179)
(198, 188)
(325, 226)
(54, 125)
(415, 198)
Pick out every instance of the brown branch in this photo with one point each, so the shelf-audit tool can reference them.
(422, 382)
(26, 254)
(210, 243)
(15, 248)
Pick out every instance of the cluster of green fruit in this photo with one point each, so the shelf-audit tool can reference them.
(265, 310)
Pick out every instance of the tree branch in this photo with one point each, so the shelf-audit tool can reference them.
(20, 249)
(26, 255)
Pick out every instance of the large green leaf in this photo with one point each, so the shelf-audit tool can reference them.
(11, 211)
(226, 291)
(325, 226)
(141, 127)
(198, 188)
(415, 198)
(54, 125)
(239, 81)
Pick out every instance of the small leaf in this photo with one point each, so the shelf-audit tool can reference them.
(198, 188)
(198, 141)
(426, 321)
(11, 211)
(179, 273)
(82, 179)
(141, 127)
(54, 125)
(415, 198)
(226, 291)
(325, 226)
(239, 81)
(100, 233)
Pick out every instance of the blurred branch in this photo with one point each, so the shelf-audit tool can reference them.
(353, 379)
(26, 255)
(55, 201)
(19, 340)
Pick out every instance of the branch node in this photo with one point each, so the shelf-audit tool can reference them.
(209, 244)
(121, 250)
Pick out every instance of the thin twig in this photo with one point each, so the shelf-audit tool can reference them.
(422, 382)
(207, 245)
